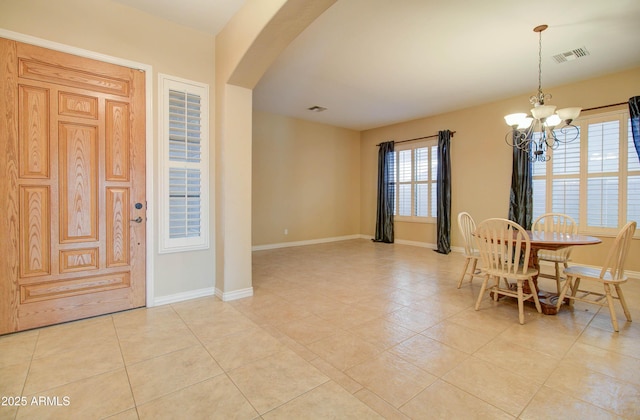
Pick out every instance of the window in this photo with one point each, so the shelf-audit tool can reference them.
(415, 172)
(595, 179)
(184, 114)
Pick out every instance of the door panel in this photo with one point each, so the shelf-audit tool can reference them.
(34, 127)
(72, 167)
(78, 182)
(35, 235)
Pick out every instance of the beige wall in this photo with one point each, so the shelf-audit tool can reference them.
(245, 48)
(306, 179)
(481, 162)
(110, 28)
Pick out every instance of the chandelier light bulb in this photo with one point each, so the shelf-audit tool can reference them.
(553, 120)
(541, 112)
(514, 120)
(569, 114)
(525, 123)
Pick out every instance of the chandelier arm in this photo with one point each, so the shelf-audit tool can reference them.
(518, 139)
(550, 139)
(508, 138)
(539, 158)
(524, 141)
(569, 137)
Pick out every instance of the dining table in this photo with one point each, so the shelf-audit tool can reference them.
(552, 241)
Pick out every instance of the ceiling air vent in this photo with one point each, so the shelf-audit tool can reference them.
(317, 108)
(571, 55)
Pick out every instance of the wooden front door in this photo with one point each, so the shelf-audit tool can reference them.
(72, 187)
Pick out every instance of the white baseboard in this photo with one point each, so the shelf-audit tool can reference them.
(457, 249)
(303, 243)
(345, 238)
(179, 297)
(209, 291)
(236, 294)
(416, 243)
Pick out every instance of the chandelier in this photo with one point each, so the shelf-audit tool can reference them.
(535, 133)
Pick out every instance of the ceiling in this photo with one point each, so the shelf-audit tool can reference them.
(377, 62)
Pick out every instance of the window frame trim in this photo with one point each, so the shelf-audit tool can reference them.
(622, 116)
(412, 146)
(166, 244)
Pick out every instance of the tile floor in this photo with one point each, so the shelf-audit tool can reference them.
(343, 330)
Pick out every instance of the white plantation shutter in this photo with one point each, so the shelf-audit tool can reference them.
(539, 197)
(566, 158)
(404, 159)
(184, 215)
(595, 179)
(602, 174)
(415, 177)
(421, 202)
(185, 204)
(565, 188)
(185, 127)
(433, 178)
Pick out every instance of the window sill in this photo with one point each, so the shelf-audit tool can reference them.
(408, 219)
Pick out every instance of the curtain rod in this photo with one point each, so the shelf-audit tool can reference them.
(418, 138)
(605, 106)
(453, 132)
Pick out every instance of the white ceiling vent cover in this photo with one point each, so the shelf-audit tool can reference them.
(571, 55)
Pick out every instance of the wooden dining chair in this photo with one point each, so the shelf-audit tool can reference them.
(505, 248)
(467, 226)
(611, 274)
(561, 224)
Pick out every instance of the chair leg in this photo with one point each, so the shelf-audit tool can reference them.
(532, 286)
(496, 286)
(482, 289)
(575, 286)
(623, 302)
(563, 292)
(520, 303)
(473, 268)
(612, 310)
(464, 272)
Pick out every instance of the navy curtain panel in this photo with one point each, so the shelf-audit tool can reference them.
(443, 196)
(634, 113)
(521, 198)
(386, 193)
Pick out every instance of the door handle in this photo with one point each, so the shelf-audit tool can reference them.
(137, 219)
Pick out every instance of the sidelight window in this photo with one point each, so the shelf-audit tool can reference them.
(184, 186)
